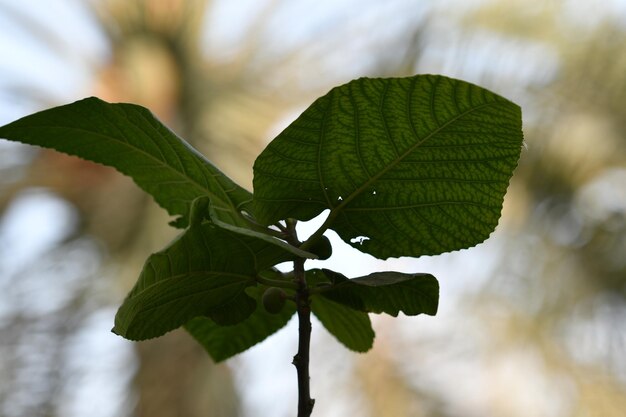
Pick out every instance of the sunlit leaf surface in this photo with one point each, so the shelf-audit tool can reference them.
(407, 166)
(129, 138)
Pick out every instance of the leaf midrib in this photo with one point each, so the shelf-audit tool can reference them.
(335, 211)
(160, 162)
(394, 163)
(242, 283)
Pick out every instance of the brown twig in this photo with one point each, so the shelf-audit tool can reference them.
(301, 359)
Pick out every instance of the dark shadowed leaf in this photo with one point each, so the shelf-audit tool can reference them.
(352, 328)
(383, 292)
(203, 273)
(223, 342)
(407, 166)
(130, 139)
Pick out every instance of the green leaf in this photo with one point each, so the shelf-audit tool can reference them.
(248, 231)
(407, 166)
(223, 342)
(382, 292)
(352, 328)
(130, 139)
(202, 209)
(202, 273)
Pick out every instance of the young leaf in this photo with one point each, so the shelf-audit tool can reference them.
(202, 209)
(203, 273)
(352, 328)
(383, 292)
(130, 139)
(407, 166)
(223, 342)
(248, 231)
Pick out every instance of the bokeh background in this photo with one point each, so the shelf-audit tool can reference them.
(532, 322)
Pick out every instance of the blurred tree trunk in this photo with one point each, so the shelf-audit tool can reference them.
(155, 63)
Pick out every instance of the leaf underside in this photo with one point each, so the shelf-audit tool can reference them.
(407, 166)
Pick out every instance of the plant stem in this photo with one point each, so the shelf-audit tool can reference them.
(303, 305)
(301, 360)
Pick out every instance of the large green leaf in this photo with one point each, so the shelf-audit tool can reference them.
(223, 342)
(203, 273)
(351, 327)
(382, 292)
(407, 166)
(129, 138)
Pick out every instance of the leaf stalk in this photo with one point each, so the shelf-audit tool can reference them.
(276, 283)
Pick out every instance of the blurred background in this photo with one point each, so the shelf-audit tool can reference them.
(532, 322)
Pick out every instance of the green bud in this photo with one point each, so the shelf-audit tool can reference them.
(274, 300)
(323, 249)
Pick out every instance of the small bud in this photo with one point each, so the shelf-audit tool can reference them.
(274, 300)
(323, 249)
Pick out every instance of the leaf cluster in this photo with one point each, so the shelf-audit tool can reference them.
(405, 166)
